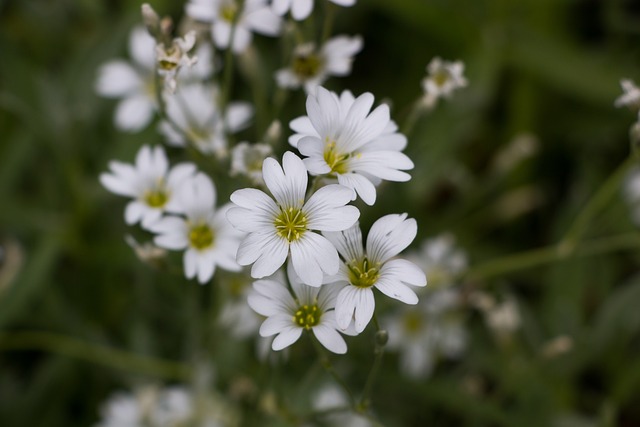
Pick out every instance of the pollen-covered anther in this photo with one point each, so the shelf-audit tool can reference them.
(201, 236)
(156, 198)
(291, 224)
(307, 316)
(363, 274)
(336, 161)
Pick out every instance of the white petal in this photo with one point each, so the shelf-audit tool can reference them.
(345, 305)
(389, 236)
(117, 79)
(143, 48)
(274, 254)
(324, 112)
(206, 267)
(238, 116)
(221, 34)
(396, 290)
(134, 113)
(348, 242)
(280, 7)
(405, 271)
(360, 185)
(270, 297)
(264, 21)
(345, 3)
(312, 255)
(303, 127)
(288, 184)
(330, 339)
(286, 338)
(365, 305)
(326, 211)
(276, 324)
(383, 164)
(241, 39)
(301, 9)
(190, 261)
(134, 212)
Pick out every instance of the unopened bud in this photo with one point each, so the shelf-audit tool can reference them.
(151, 20)
(382, 336)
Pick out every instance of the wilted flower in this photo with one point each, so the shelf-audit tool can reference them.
(150, 183)
(344, 140)
(361, 270)
(224, 15)
(311, 67)
(170, 59)
(285, 225)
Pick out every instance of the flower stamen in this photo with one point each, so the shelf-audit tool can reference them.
(201, 236)
(362, 273)
(291, 223)
(307, 316)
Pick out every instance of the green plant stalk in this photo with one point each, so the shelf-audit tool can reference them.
(595, 205)
(227, 81)
(553, 253)
(378, 352)
(329, 17)
(326, 364)
(95, 353)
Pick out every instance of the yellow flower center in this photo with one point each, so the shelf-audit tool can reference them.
(156, 198)
(441, 77)
(228, 12)
(200, 236)
(362, 273)
(338, 162)
(307, 316)
(291, 224)
(307, 66)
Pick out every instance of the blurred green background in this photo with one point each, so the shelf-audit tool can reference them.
(543, 71)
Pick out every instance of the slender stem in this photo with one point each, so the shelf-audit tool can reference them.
(549, 254)
(329, 16)
(95, 353)
(378, 352)
(418, 109)
(595, 205)
(326, 364)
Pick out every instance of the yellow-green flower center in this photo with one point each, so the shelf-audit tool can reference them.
(307, 316)
(228, 12)
(337, 161)
(291, 224)
(362, 273)
(169, 61)
(307, 66)
(156, 198)
(441, 77)
(201, 236)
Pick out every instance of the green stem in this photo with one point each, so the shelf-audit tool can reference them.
(595, 205)
(378, 352)
(330, 13)
(326, 364)
(228, 63)
(418, 109)
(99, 354)
(549, 254)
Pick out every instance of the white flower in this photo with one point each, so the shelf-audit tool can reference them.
(170, 59)
(311, 68)
(441, 260)
(277, 228)
(236, 315)
(309, 308)
(342, 139)
(193, 109)
(255, 16)
(443, 78)
(331, 396)
(205, 235)
(427, 331)
(362, 270)
(630, 96)
(132, 83)
(301, 9)
(246, 159)
(150, 183)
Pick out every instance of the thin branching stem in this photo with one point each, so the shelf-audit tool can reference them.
(326, 364)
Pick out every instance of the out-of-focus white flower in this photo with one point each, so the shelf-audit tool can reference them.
(193, 109)
(361, 270)
(503, 319)
(246, 159)
(133, 83)
(441, 260)
(630, 95)
(146, 252)
(443, 78)
(427, 331)
(150, 183)
(236, 315)
(205, 234)
(301, 9)
(285, 225)
(170, 59)
(309, 308)
(331, 396)
(255, 16)
(341, 138)
(310, 67)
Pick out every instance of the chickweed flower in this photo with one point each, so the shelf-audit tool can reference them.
(285, 223)
(443, 78)
(630, 96)
(309, 308)
(254, 16)
(170, 59)
(441, 260)
(311, 67)
(205, 234)
(246, 159)
(342, 139)
(150, 183)
(361, 270)
(193, 109)
(301, 9)
(132, 83)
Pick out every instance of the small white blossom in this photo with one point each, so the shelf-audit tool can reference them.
(441, 260)
(205, 234)
(255, 16)
(341, 138)
(285, 225)
(331, 396)
(630, 96)
(150, 183)
(193, 109)
(311, 67)
(504, 318)
(427, 331)
(301, 9)
(170, 59)
(443, 78)
(309, 308)
(246, 159)
(132, 83)
(361, 270)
